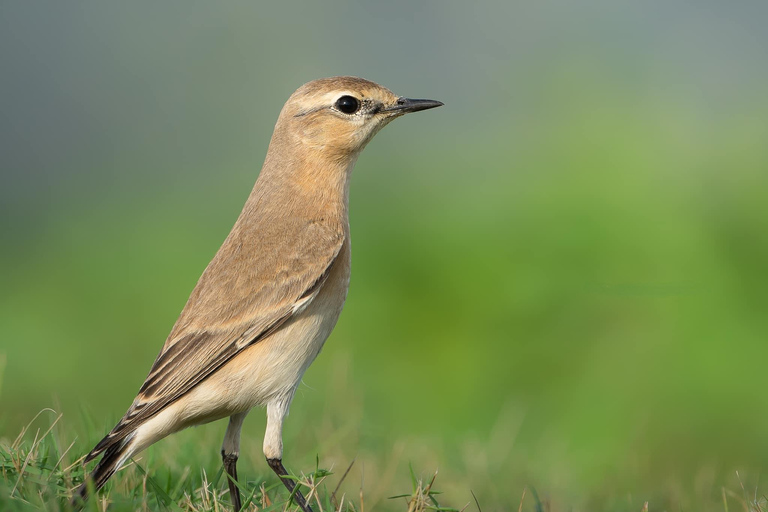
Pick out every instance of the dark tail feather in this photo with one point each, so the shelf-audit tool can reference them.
(109, 463)
(102, 445)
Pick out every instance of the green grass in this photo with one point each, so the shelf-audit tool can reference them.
(42, 467)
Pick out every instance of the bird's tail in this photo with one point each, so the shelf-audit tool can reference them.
(115, 455)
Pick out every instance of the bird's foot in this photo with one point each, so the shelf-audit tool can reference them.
(290, 484)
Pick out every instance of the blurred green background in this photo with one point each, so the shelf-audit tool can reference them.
(559, 278)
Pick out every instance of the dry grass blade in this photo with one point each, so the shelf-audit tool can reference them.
(362, 483)
(341, 480)
(477, 503)
(61, 458)
(738, 498)
(35, 445)
(265, 501)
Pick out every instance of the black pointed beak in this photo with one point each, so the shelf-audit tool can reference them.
(405, 105)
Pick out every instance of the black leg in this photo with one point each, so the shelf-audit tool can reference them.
(277, 467)
(230, 466)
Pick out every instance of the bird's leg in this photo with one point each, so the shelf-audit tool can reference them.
(290, 484)
(230, 466)
(229, 452)
(277, 410)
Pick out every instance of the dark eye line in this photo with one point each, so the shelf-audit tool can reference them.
(309, 111)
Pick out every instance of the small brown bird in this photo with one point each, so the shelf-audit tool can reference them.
(270, 297)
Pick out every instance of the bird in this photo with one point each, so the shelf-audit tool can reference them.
(270, 297)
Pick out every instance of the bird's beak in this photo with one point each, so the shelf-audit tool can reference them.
(405, 105)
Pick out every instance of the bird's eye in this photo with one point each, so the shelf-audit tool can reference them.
(348, 104)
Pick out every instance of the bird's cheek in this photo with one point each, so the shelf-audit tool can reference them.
(311, 132)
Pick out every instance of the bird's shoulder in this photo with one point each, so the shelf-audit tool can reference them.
(260, 266)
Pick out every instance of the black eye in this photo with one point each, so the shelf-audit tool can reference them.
(348, 104)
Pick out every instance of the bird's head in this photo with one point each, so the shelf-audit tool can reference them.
(340, 115)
